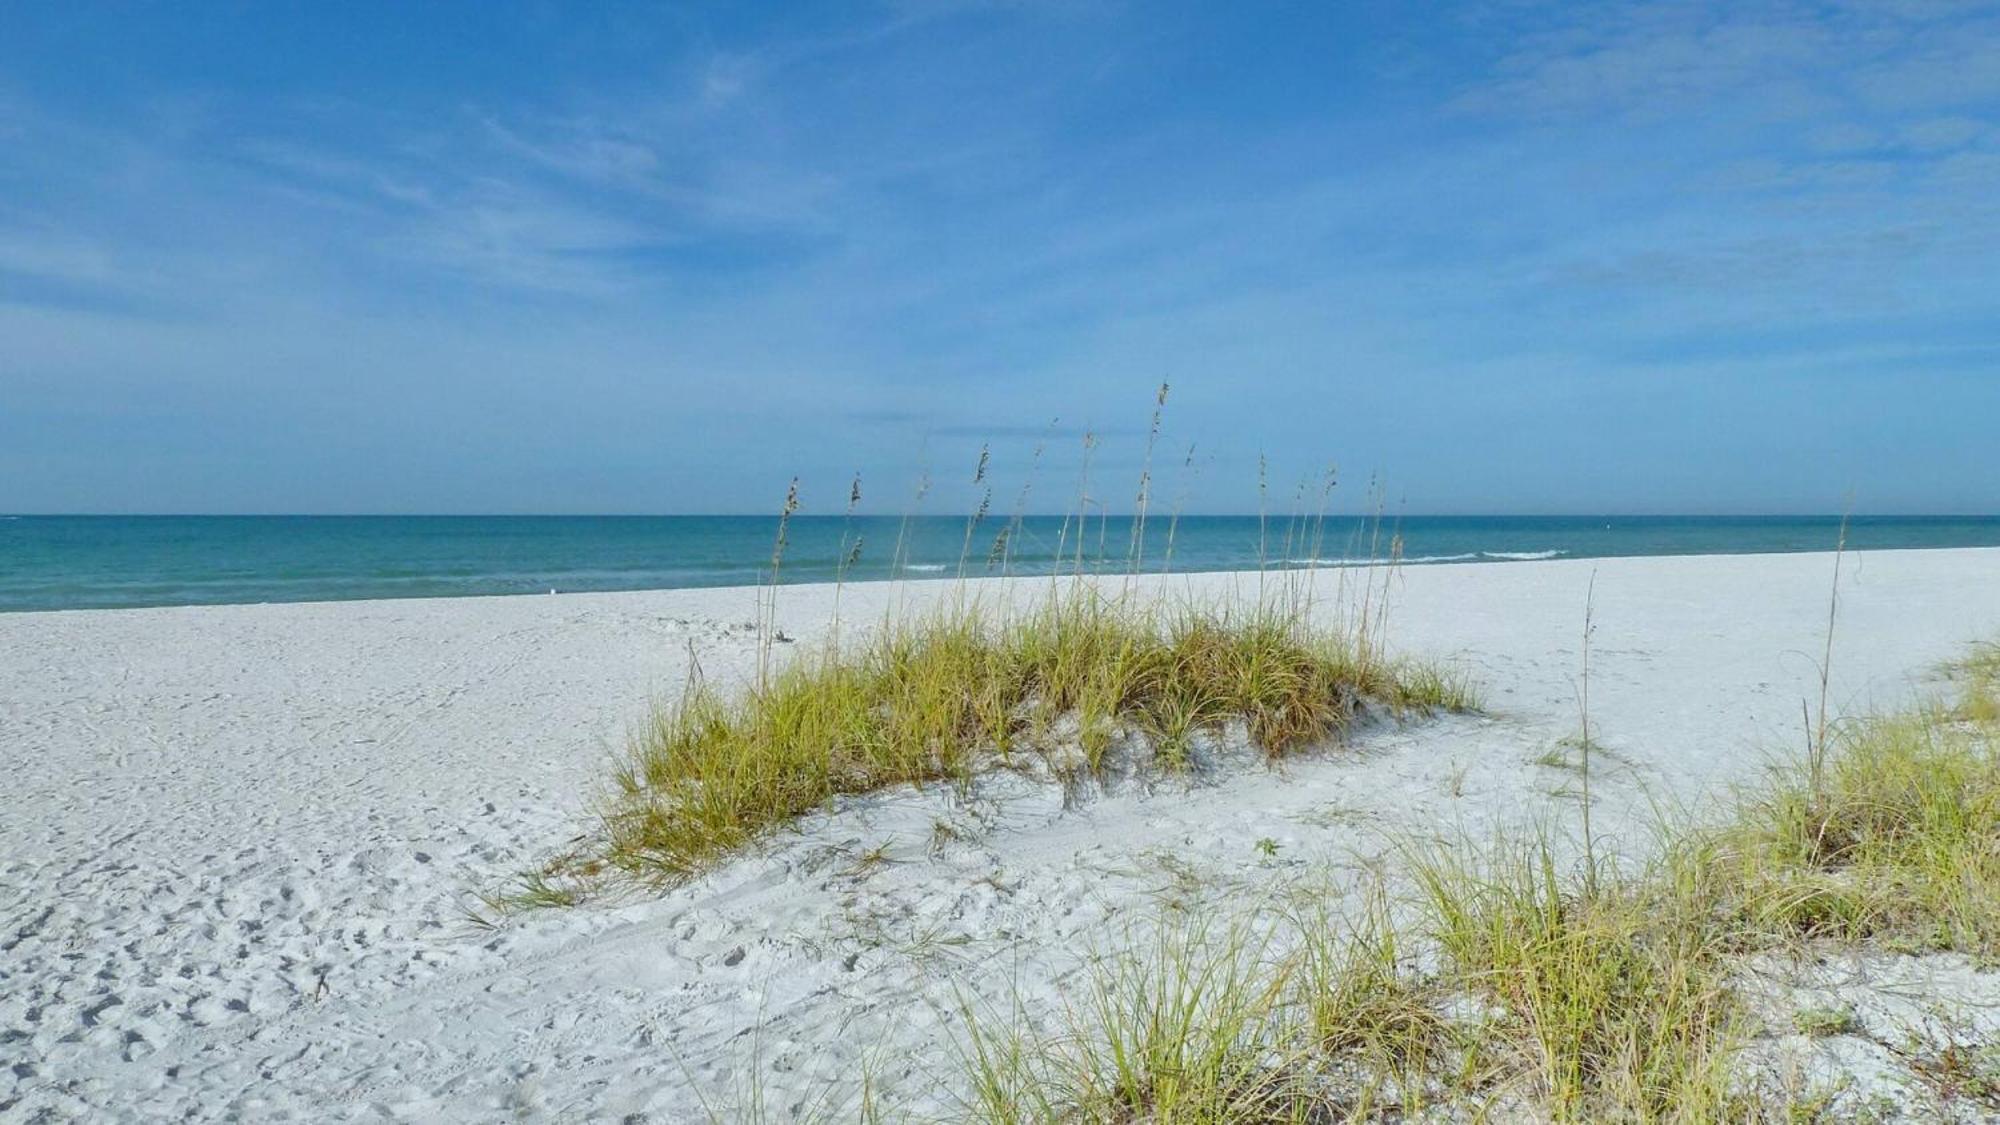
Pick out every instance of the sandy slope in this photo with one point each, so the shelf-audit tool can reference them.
(236, 841)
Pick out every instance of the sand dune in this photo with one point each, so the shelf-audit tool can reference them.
(238, 841)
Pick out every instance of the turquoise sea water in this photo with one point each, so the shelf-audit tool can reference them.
(76, 562)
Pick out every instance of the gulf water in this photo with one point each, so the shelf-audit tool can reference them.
(81, 562)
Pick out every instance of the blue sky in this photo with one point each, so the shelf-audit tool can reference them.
(1511, 257)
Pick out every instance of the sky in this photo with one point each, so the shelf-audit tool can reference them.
(506, 257)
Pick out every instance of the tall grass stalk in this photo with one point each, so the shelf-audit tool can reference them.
(1135, 555)
(1010, 536)
(1372, 618)
(767, 620)
(1584, 749)
(978, 517)
(1263, 533)
(1180, 501)
(899, 558)
(1318, 537)
(850, 554)
(1816, 742)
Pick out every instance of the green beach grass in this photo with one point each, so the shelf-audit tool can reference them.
(1531, 980)
(960, 689)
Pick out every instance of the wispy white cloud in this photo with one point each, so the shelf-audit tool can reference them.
(58, 258)
(1659, 60)
(1939, 134)
(1769, 61)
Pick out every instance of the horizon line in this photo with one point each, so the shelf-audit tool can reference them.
(993, 518)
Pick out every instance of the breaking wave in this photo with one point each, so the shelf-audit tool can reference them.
(1381, 562)
(1468, 556)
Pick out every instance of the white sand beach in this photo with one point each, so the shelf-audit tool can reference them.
(238, 845)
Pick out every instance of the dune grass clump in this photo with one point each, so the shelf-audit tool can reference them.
(1979, 689)
(1606, 996)
(1516, 982)
(1504, 983)
(1899, 840)
(1189, 1032)
(945, 695)
(1368, 1011)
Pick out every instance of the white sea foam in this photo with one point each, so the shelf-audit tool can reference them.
(926, 567)
(1381, 561)
(1523, 556)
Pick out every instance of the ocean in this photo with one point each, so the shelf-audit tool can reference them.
(86, 562)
